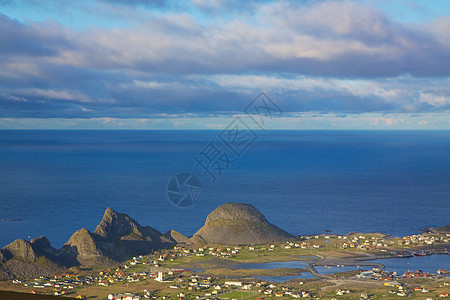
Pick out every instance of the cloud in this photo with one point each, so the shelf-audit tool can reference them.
(217, 7)
(147, 3)
(337, 38)
(319, 56)
(33, 40)
(292, 121)
(387, 121)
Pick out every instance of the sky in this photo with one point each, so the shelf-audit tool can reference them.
(160, 64)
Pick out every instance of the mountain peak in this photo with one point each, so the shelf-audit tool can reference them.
(238, 223)
(41, 242)
(236, 211)
(116, 224)
(82, 242)
(110, 211)
(22, 248)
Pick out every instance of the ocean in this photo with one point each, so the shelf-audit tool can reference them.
(305, 182)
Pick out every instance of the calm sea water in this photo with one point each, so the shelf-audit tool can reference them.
(303, 181)
(428, 264)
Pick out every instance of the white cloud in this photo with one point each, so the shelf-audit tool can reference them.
(434, 100)
(325, 56)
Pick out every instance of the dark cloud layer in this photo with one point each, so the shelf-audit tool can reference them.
(333, 56)
(31, 40)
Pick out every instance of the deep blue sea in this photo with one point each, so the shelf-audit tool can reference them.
(305, 182)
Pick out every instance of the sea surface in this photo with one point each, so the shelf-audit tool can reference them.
(306, 182)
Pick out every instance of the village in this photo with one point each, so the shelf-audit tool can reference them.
(182, 272)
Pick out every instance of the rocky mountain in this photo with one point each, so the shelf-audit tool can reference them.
(28, 259)
(21, 248)
(82, 248)
(116, 226)
(42, 246)
(117, 237)
(238, 223)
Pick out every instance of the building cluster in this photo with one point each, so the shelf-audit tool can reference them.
(424, 239)
(380, 274)
(226, 252)
(362, 242)
(207, 287)
(213, 288)
(124, 296)
(60, 284)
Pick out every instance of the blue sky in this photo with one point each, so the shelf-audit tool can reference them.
(195, 64)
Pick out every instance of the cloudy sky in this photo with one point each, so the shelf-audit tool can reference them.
(196, 64)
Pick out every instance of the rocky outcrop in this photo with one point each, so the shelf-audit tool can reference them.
(21, 249)
(18, 268)
(3, 257)
(443, 230)
(119, 236)
(117, 226)
(42, 246)
(238, 223)
(177, 237)
(23, 259)
(83, 247)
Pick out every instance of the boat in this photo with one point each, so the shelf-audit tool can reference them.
(421, 253)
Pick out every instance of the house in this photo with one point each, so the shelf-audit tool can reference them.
(392, 283)
(124, 296)
(159, 277)
(233, 283)
(268, 292)
(366, 274)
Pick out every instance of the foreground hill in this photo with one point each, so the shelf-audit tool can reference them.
(238, 223)
(8, 295)
(23, 259)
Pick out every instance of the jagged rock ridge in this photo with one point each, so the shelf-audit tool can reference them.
(117, 237)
